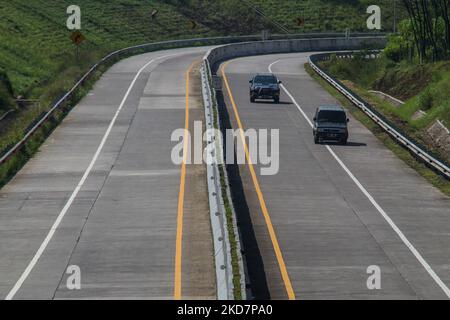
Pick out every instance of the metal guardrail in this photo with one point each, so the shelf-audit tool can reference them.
(320, 35)
(222, 247)
(7, 113)
(388, 97)
(213, 56)
(107, 59)
(146, 48)
(224, 272)
(415, 148)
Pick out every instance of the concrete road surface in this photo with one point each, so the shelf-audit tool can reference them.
(103, 197)
(106, 183)
(337, 210)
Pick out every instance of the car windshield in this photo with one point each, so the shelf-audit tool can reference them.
(266, 79)
(332, 116)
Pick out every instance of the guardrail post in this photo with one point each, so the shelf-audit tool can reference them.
(420, 153)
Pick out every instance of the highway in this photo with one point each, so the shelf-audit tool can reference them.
(332, 211)
(103, 194)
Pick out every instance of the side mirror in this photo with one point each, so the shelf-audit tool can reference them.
(280, 82)
(251, 81)
(348, 120)
(314, 118)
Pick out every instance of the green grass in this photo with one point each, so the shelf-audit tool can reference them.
(422, 87)
(231, 236)
(236, 16)
(326, 15)
(35, 50)
(13, 165)
(357, 70)
(435, 179)
(35, 44)
(228, 204)
(38, 59)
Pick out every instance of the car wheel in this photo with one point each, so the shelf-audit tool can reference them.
(252, 99)
(277, 100)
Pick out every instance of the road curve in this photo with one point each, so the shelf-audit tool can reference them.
(335, 210)
(103, 195)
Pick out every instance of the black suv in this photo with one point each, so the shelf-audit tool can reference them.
(265, 86)
(330, 123)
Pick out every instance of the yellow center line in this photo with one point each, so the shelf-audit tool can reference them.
(262, 202)
(179, 241)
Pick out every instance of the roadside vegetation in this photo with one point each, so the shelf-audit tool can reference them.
(39, 63)
(431, 176)
(415, 68)
(422, 87)
(250, 16)
(39, 59)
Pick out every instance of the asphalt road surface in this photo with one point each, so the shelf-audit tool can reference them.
(103, 196)
(333, 211)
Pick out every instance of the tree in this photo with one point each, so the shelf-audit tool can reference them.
(431, 27)
(401, 45)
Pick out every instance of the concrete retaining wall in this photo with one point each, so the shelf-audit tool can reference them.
(440, 136)
(396, 102)
(231, 51)
(218, 219)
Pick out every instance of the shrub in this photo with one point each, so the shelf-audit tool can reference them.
(426, 99)
(6, 92)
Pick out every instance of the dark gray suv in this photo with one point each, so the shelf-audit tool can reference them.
(330, 123)
(265, 86)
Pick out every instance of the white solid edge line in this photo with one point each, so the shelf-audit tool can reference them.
(63, 212)
(386, 217)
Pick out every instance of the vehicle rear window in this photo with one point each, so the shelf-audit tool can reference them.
(266, 79)
(332, 116)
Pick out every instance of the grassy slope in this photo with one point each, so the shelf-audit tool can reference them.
(325, 15)
(436, 180)
(38, 61)
(35, 47)
(35, 42)
(236, 16)
(422, 87)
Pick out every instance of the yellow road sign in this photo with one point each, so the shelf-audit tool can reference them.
(77, 37)
(192, 24)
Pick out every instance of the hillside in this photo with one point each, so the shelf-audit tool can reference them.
(294, 15)
(424, 88)
(35, 43)
(38, 60)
